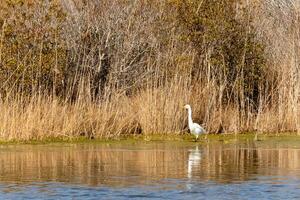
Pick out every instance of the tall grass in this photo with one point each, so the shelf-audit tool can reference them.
(103, 69)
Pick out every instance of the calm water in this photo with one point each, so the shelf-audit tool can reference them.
(151, 171)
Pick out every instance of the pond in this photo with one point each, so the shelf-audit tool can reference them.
(151, 170)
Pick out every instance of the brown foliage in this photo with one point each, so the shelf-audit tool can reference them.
(105, 68)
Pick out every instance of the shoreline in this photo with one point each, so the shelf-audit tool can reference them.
(183, 138)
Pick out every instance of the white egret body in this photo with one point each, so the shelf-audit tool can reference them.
(195, 128)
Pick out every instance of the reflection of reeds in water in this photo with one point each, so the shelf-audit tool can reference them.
(90, 164)
(232, 163)
(240, 163)
(114, 165)
(284, 159)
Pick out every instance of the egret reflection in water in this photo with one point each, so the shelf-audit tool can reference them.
(193, 160)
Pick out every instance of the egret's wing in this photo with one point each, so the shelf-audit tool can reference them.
(199, 128)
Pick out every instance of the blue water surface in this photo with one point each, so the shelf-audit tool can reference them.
(152, 171)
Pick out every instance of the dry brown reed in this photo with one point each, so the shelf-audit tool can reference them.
(106, 68)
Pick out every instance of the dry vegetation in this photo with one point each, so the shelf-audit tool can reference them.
(105, 68)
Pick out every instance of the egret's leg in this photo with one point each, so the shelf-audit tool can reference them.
(197, 138)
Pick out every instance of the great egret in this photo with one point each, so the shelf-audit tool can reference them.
(195, 128)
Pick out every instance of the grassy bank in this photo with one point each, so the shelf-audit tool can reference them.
(279, 139)
(97, 69)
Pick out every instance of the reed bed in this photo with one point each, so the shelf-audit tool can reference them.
(104, 69)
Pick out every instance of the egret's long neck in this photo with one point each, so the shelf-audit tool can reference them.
(190, 117)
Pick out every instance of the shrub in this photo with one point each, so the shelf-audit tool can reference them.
(228, 51)
(33, 53)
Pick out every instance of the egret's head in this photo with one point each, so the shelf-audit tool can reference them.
(187, 106)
